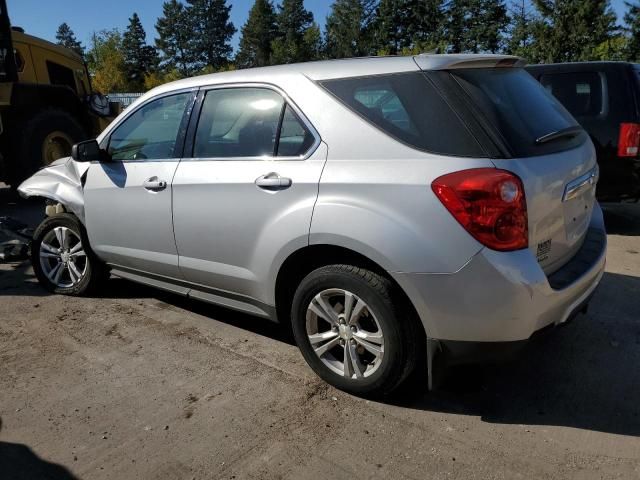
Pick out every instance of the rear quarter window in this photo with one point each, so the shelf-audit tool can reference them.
(407, 107)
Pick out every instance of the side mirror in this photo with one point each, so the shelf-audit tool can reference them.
(87, 151)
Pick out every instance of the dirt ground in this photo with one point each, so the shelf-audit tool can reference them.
(141, 384)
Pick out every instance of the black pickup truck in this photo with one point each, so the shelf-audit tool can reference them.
(605, 99)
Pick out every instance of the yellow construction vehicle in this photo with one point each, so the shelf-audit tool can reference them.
(46, 102)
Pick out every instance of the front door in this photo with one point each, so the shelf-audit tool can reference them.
(128, 198)
(248, 192)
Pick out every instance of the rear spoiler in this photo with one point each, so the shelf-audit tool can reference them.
(451, 62)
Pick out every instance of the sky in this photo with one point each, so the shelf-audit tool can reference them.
(42, 17)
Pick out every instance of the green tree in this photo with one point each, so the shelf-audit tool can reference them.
(173, 40)
(257, 35)
(389, 34)
(106, 62)
(294, 41)
(349, 29)
(612, 49)
(524, 26)
(476, 25)
(140, 59)
(210, 31)
(632, 26)
(573, 29)
(423, 23)
(66, 38)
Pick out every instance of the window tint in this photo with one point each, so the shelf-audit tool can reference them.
(407, 107)
(238, 122)
(294, 139)
(579, 92)
(518, 108)
(151, 131)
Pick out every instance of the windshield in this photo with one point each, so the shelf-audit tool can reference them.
(519, 109)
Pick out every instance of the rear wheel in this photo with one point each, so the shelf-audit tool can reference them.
(62, 259)
(351, 332)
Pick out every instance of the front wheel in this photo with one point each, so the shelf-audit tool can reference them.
(351, 330)
(62, 259)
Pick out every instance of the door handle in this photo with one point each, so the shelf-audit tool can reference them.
(154, 184)
(273, 181)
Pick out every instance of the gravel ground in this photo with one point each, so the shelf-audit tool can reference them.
(137, 384)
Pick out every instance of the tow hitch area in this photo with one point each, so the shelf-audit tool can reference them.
(15, 239)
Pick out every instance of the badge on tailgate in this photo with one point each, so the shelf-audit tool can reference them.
(544, 248)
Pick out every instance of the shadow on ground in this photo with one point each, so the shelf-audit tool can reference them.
(583, 375)
(19, 462)
(119, 288)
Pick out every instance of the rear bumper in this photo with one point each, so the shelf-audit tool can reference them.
(505, 296)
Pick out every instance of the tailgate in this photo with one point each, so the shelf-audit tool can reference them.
(560, 193)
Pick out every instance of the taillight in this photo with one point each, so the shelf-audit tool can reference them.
(629, 140)
(489, 203)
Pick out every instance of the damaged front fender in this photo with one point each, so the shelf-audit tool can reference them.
(62, 182)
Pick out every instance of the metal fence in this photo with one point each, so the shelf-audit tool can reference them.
(125, 99)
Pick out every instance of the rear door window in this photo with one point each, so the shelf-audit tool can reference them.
(580, 92)
(238, 122)
(249, 123)
(519, 109)
(407, 107)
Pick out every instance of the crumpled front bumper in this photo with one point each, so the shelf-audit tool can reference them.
(505, 296)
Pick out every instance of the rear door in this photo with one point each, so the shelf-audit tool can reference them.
(559, 170)
(247, 192)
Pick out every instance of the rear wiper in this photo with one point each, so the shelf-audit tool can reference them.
(564, 133)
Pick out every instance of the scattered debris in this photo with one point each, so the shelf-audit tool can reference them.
(15, 238)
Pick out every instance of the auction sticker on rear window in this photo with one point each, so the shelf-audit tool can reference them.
(543, 250)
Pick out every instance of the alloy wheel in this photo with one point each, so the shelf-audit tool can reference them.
(62, 257)
(344, 333)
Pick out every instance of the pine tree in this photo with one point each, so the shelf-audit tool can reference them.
(632, 25)
(389, 35)
(257, 35)
(174, 38)
(525, 27)
(211, 31)
(66, 38)
(349, 28)
(422, 23)
(573, 29)
(294, 41)
(140, 59)
(476, 25)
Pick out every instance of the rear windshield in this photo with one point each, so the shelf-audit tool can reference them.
(519, 109)
(407, 107)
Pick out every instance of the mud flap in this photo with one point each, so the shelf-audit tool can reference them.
(434, 368)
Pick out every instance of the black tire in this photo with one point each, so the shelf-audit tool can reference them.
(94, 274)
(27, 153)
(401, 347)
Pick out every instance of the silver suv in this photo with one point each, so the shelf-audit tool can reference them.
(390, 209)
